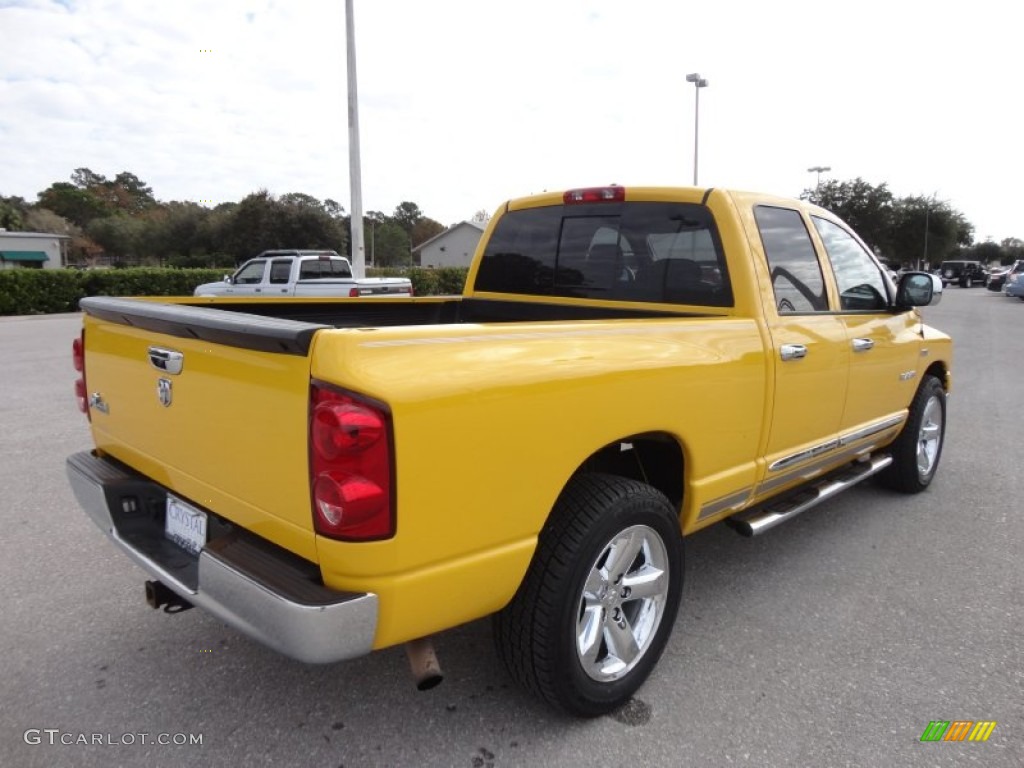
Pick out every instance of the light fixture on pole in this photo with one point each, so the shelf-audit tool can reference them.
(698, 83)
(818, 169)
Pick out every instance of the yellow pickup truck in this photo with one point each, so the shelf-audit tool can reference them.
(625, 367)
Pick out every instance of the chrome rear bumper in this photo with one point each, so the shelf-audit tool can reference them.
(254, 586)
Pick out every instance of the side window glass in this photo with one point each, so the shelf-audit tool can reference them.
(795, 272)
(861, 285)
(251, 273)
(280, 270)
(520, 255)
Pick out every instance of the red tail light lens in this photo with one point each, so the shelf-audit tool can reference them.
(353, 293)
(594, 195)
(350, 466)
(78, 353)
(78, 360)
(343, 427)
(347, 500)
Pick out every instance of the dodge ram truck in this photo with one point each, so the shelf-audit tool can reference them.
(625, 367)
(302, 273)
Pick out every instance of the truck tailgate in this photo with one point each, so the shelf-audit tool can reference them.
(181, 395)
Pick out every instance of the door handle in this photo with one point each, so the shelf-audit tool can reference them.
(258, 290)
(862, 345)
(792, 351)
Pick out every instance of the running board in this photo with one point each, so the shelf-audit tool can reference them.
(776, 511)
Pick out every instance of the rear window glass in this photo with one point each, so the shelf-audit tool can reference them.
(648, 252)
(313, 269)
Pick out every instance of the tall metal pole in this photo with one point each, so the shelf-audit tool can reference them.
(698, 83)
(924, 261)
(696, 130)
(354, 173)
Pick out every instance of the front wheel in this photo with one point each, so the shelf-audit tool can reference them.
(917, 450)
(598, 603)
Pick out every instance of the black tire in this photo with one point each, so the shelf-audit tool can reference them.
(540, 633)
(917, 450)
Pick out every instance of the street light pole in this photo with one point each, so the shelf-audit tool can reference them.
(698, 83)
(818, 169)
(924, 261)
(354, 171)
(928, 204)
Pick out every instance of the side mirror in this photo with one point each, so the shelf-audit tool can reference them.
(918, 289)
(227, 279)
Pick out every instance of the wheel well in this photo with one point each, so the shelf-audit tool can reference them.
(938, 370)
(655, 458)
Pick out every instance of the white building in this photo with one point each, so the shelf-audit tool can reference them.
(452, 248)
(36, 250)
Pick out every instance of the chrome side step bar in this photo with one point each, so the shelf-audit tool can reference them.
(776, 511)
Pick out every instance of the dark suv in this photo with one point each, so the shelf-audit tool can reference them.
(963, 273)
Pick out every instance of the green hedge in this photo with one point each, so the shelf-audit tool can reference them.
(44, 291)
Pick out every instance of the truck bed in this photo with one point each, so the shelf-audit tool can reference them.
(205, 318)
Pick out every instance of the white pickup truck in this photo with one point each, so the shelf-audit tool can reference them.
(303, 273)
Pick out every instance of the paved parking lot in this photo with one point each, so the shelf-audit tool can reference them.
(831, 641)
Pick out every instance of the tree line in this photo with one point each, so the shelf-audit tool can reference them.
(912, 231)
(121, 221)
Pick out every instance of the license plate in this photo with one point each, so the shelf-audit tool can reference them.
(186, 525)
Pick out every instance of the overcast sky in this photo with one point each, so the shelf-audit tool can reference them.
(465, 103)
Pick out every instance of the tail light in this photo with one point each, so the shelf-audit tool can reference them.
(353, 293)
(78, 360)
(350, 466)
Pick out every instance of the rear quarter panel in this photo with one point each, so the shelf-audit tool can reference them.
(491, 422)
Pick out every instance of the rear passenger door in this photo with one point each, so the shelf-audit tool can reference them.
(279, 282)
(809, 350)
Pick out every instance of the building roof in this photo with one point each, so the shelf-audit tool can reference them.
(6, 233)
(474, 224)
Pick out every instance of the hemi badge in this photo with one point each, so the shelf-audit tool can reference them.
(164, 390)
(907, 375)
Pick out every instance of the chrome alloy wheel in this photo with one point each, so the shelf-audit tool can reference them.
(929, 438)
(622, 604)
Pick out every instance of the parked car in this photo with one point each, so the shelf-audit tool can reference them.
(996, 278)
(1012, 275)
(1014, 285)
(963, 273)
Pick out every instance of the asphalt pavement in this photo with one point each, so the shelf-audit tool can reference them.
(833, 640)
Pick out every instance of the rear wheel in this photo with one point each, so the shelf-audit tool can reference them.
(598, 603)
(917, 450)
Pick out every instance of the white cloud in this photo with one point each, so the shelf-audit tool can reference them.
(464, 104)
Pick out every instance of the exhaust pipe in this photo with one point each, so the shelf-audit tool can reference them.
(425, 667)
(159, 595)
